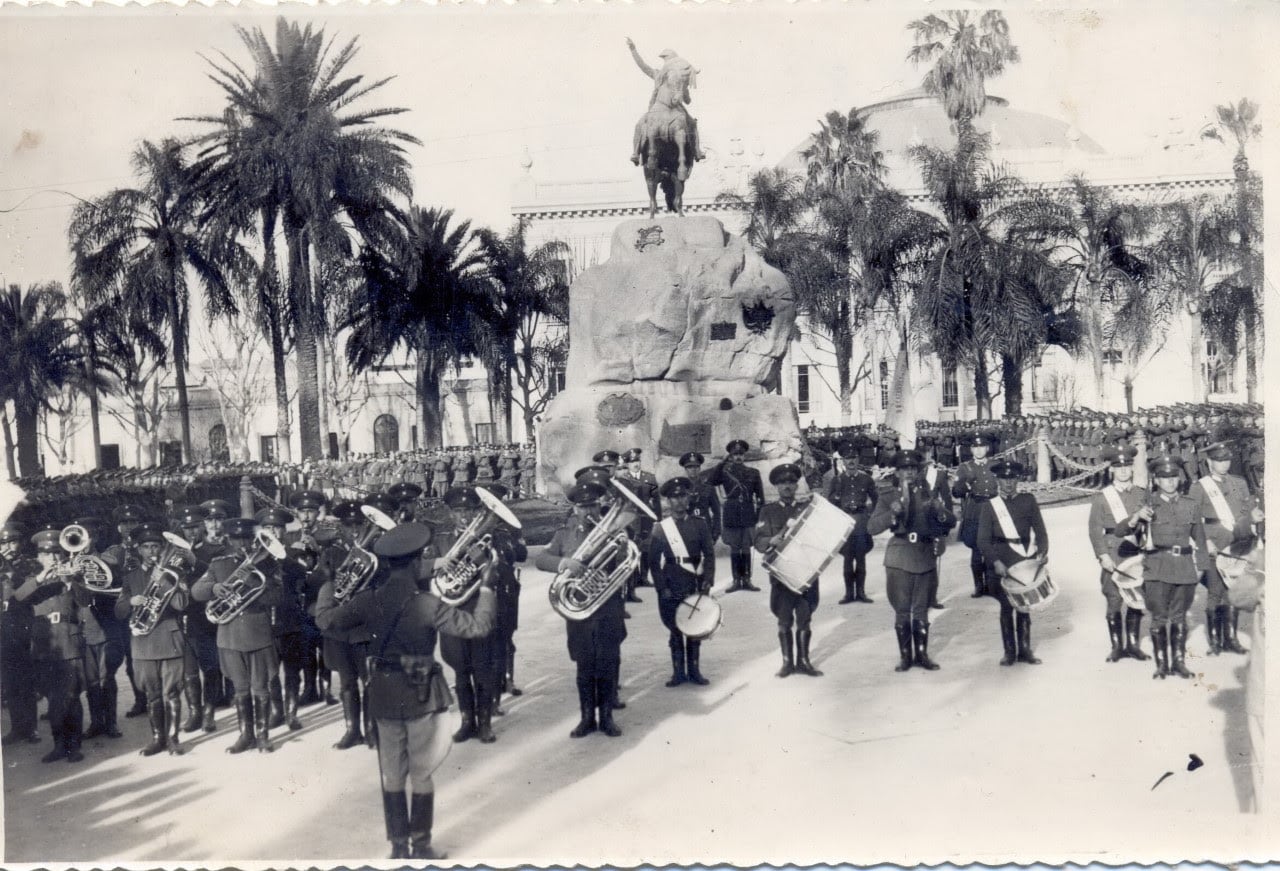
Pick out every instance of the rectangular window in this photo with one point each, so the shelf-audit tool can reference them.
(555, 381)
(1113, 356)
(950, 388)
(267, 448)
(413, 436)
(171, 453)
(884, 384)
(802, 389)
(110, 456)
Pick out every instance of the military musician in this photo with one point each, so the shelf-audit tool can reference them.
(105, 641)
(203, 686)
(740, 508)
(511, 549)
(975, 485)
(683, 562)
(122, 557)
(854, 492)
(791, 609)
(17, 678)
(645, 486)
(1112, 514)
(346, 650)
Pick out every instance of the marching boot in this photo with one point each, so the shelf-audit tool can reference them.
(1133, 639)
(309, 679)
(351, 715)
(1115, 629)
(1024, 640)
(326, 686)
(632, 583)
(370, 724)
(159, 734)
(1007, 638)
(678, 673)
(210, 723)
(735, 569)
(1213, 628)
(395, 815)
(920, 633)
(587, 708)
(604, 692)
(466, 707)
(904, 647)
(746, 573)
(422, 812)
(94, 696)
(1178, 650)
(788, 659)
(277, 702)
(195, 712)
(694, 649)
(140, 706)
(848, 591)
(244, 718)
(979, 581)
(511, 675)
(173, 712)
(291, 709)
(1160, 646)
(860, 588)
(933, 593)
(110, 710)
(618, 704)
(262, 724)
(803, 665)
(484, 719)
(1230, 623)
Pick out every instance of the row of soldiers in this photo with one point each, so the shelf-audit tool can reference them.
(512, 466)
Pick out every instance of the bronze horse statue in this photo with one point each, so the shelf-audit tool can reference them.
(666, 154)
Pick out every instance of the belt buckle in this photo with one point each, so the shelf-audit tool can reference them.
(912, 537)
(55, 618)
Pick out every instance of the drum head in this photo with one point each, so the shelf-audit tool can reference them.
(1026, 572)
(1128, 572)
(698, 616)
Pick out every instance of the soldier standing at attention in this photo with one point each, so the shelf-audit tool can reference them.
(703, 501)
(743, 498)
(854, 492)
(975, 485)
(789, 607)
(1112, 514)
(683, 562)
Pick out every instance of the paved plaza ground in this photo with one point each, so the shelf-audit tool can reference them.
(861, 764)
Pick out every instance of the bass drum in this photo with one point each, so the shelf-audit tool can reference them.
(698, 617)
(1029, 586)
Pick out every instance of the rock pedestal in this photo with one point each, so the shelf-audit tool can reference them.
(675, 345)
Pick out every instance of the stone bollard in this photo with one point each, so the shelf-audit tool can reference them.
(1044, 467)
(1140, 476)
(246, 497)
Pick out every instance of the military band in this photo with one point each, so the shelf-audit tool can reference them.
(853, 491)
(1112, 516)
(683, 562)
(793, 609)
(1174, 533)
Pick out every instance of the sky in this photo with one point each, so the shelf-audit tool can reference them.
(487, 86)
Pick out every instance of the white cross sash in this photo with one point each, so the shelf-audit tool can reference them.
(1214, 492)
(674, 538)
(1005, 519)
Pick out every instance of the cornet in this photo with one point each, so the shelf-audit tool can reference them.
(360, 564)
(608, 555)
(173, 565)
(246, 583)
(94, 572)
(461, 569)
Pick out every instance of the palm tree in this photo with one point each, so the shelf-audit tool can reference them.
(130, 354)
(40, 358)
(146, 240)
(427, 292)
(528, 284)
(1138, 325)
(290, 153)
(965, 50)
(775, 205)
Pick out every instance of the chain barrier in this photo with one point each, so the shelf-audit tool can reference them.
(1057, 452)
(263, 498)
(1010, 451)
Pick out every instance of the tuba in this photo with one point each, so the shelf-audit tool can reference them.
(608, 555)
(461, 569)
(174, 564)
(359, 566)
(93, 571)
(246, 583)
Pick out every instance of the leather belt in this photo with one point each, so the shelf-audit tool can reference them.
(1109, 530)
(56, 617)
(1008, 540)
(912, 537)
(1175, 549)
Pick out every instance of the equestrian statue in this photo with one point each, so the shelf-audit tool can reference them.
(666, 136)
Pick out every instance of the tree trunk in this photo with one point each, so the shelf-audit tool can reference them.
(9, 446)
(95, 424)
(178, 336)
(1250, 354)
(842, 339)
(981, 388)
(506, 404)
(1128, 394)
(27, 418)
(1011, 377)
(526, 390)
(1198, 380)
(1094, 324)
(304, 344)
(429, 397)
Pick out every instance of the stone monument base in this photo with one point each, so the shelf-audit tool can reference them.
(664, 420)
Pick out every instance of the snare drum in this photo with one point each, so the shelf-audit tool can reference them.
(1029, 586)
(698, 617)
(1128, 580)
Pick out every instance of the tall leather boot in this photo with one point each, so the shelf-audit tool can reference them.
(1178, 650)
(291, 709)
(173, 714)
(735, 570)
(1007, 638)
(693, 656)
(310, 676)
(1160, 646)
(618, 703)
(979, 580)
(195, 712)
(325, 676)
(604, 692)
(907, 658)
(920, 634)
(1213, 629)
(1024, 640)
(93, 695)
(140, 705)
(351, 716)
(860, 585)
(586, 707)
(803, 665)
(210, 723)
(73, 729)
(678, 673)
(933, 593)
(746, 573)
(1133, 637)
(511, 674)
(110, 709)
(467, 707)
(370, 724)
(244, 719)
(422, 812)
(276, 697)
(395, 816)
(159, 734)
(788, 658)
(848, 588)
(1230, 623)
(484, 720)
(262, 724)
(1115, 629)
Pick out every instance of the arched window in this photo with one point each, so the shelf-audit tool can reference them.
(218, 450)
(386, 434)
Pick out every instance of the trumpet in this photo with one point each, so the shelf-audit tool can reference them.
(93, 571)
(173, 565)
(246, 583)
(462, 568)
(608, 555)
(360, 564)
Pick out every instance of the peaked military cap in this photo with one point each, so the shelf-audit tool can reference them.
(632, 456)
(46, 541)
(676, 487)
(585, 493)
(788, 473)
(404, 491)
(346, 510)
(217, 509)
(190, 516)
(737, 446)
(10, 532)
(692, 458)
(1120, 456)
(308, 499)
(1165, 467)
(1007, 469)
(404, 540)
(462, 497)
(149, 533)
(239, 527)
(382, 502)
(273, 517)
(1218, 451)
(608, 458)
(908, 460)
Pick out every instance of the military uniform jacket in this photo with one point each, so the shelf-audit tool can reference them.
(252, 629)
(1239, 501)
(55, 630)
(646, 491)
(924, 514)
(17, 615)
(704, 503)
(290, 615)
(406, 682)
(601, 635)
(854, 492)
(207, 551)
(1177, 523)
(1105, 531)
(1025, 512)
(167, 640)
(743, 494)
(972, 475)
(683, 577)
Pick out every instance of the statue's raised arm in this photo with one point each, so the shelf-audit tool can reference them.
(635, 55)
(666, 141)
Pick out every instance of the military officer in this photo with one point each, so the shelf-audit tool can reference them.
(740, 508)
(246, 646)
(853, 491)
(216, 512)
(975, 485)
(17, 679)
(105, 641)
(645, 486)
(791, 609)
(1229, 512)
(1112, 514)
(595, 644)
(683, 562)
(407, 687)
(1011, 530)
(203, 686)
(703, 501)
(939, 483)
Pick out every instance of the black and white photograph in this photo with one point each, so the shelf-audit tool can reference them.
(615, 434)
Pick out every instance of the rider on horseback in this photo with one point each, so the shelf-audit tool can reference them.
(671, 86)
